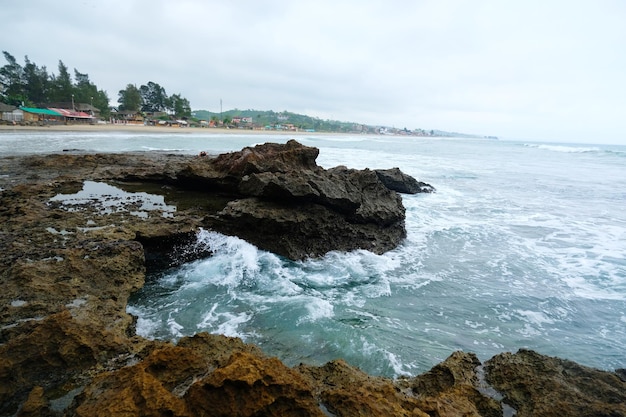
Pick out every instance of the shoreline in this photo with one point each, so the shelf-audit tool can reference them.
(154, 129)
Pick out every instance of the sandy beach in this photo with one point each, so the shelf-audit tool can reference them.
(149, 129)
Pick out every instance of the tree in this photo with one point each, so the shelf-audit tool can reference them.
(154, 97)
(180, 106)
(36, 83)
(11, 86)
(83, 89)
(62, 88)
(87, 92)
(101, 102)
(130, 98)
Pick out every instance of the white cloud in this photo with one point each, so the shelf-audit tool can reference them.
(550, 70)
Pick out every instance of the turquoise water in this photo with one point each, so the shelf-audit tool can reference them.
(522, 245)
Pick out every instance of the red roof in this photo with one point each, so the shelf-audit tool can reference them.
(71, 113)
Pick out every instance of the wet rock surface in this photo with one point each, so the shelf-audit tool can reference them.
(68, 347)
(537, 385)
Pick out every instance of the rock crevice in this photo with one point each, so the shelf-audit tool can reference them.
(68, 347)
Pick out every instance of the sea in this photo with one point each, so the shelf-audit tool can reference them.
(523, 245)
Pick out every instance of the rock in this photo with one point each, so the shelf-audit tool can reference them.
(283, 202)
(308, 213)
(453, 388)
(538, 385)
(268, 157)
(346, 391)
(396, 180)
(251, 386)
(68, 347)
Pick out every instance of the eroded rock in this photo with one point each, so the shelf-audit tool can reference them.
(68, 347)
(538, 385)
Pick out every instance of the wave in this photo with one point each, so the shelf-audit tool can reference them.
(564, 148)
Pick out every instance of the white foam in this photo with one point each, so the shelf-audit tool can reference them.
(565, 148)
(230, 326)
(145, 326)
(174, 327)
(396, 365)
(209, 319)
(317, 309)
(370, 350)
(109, 199)
(536, 318)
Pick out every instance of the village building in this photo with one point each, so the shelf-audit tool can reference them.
(127, 117)
(44, 116)
(10, 113)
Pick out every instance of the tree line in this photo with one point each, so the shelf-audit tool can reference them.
(33, 86)
(152, 98)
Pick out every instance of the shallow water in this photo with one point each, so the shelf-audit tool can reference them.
(522, 245)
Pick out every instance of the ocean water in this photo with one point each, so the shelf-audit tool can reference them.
(522, 245)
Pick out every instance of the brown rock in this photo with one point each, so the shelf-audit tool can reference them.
(66, 277)
(347, 391)
(52, 353)
(268, 157)
(452, 388)
(251, 386)
(538, 385)
(146, 389)
(35, 405)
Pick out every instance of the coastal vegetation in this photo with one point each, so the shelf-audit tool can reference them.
(286, 120)
(32, 85)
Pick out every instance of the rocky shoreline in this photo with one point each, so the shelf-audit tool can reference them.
(70, 261)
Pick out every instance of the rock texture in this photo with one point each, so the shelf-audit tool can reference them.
(68, 347)
(288, 205)
(538, 385)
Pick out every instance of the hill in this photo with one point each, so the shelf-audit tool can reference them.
(285, 120)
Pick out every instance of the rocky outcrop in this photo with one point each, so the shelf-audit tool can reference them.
(537, 385)
(68, 347)
(396, 180)
(287, 204)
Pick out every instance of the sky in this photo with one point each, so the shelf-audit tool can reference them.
(534, 69)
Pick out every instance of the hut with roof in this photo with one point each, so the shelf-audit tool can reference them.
(37, 115)
(10, 113)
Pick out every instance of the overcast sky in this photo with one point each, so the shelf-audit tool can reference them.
(544, 70)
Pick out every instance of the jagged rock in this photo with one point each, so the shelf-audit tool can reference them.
(538, 385)
(345, 391)
(68, 347)
(251, 386)
(453, 388)
(288, 205)
(396, 180)
(268, 157)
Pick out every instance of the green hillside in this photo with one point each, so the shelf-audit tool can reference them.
(272, 119)
(285, 120)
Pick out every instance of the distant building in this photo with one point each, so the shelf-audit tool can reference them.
(11, 113)
(37, 115)
(126, 117)
(78, 107)
(73, 115)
